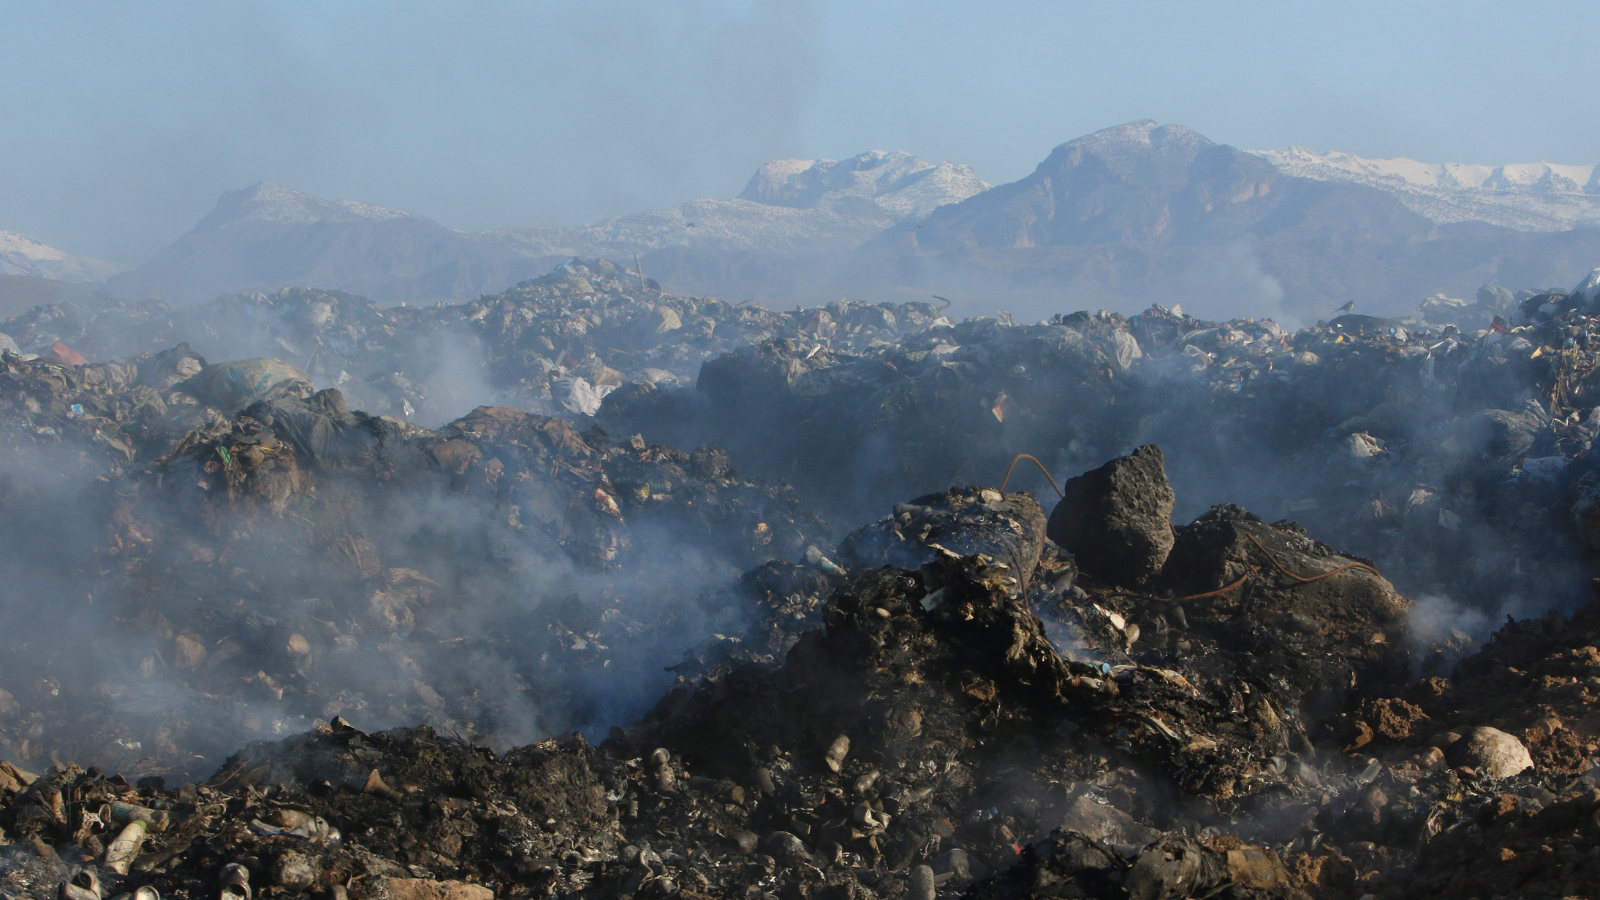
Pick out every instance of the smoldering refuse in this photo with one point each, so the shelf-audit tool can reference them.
(917, 728)
(302, 561)
(1271, 709)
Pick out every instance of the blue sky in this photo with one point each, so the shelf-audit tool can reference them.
(121, 123)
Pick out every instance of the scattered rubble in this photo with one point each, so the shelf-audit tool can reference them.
(1460, 462)
(298, 560)
(601, 666)
(933, 736)
(553, 345)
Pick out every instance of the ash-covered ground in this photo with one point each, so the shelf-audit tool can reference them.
(592, 590)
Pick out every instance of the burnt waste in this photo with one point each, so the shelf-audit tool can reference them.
(685, 603)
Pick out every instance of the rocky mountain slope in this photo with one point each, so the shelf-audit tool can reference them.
(1146, 213)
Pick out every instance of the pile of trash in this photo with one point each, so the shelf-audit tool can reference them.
(96, 418)
(981, 701)
(1457, 460)
(587, 660)
(553, 345)
(1460, 462)
(298, 560)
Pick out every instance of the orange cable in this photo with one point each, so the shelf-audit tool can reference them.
(1314, 577)
(1020, 458)
(1220, 591)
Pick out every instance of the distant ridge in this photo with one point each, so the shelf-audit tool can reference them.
(1526, 196)
(1148, 213)
(269, 236)
(1131, 215)
(24, 256)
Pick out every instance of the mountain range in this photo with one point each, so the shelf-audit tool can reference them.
(268, 235)
(1527, 196)
(1127, 216)
(1147, 213)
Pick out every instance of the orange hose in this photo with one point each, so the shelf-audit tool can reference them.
(1299, 578)
(1020, 458)
(1314, 577)
(1220, 591)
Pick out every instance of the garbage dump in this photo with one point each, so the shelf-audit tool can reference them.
(297, 559)
(1460, 462)
(270, 634)
(1234, 723)
(550, 345)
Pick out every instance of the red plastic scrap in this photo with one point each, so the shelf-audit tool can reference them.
(63, 354)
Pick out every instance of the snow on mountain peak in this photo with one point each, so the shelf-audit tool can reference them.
(269, 202)
(902, 184)
(1527, 196)
(22, 255)
(1146, 135)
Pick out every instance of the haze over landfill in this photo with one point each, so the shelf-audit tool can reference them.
(795, 450)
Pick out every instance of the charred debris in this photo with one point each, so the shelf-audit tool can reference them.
(530, 652)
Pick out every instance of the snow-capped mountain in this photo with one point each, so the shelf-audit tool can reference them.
(790, 206)
(903, 185)
(1525, 196)
(273, 203)
(1120, 218)
(22, 255)
(1144, 213)
(268, 236)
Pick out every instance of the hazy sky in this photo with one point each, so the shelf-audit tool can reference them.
(121, 123)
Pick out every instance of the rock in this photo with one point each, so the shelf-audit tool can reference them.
(923, 886)
(1116, 519)
(1549, 723)
(1491, 752)
(1588, 726)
